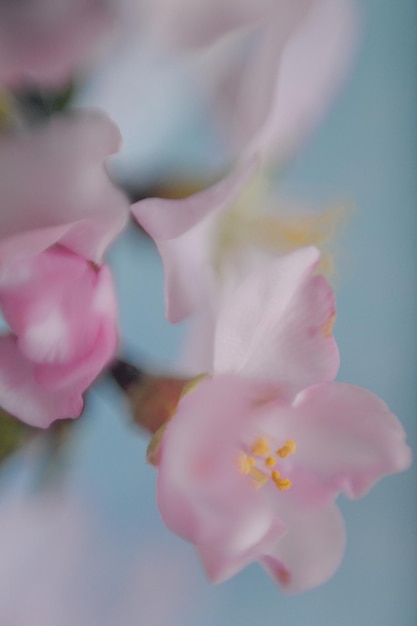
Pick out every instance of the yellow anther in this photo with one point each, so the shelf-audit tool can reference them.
(327, 329)
(259, 479)
(246, 463)
(270, 461)
(288, 448)
(281, 483)
(261, 447)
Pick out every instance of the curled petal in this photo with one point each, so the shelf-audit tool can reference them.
(244, 85)
(182, 230)
(202, 495)
(274, 325)
(169, 219)
(311, 550)
(54, 187)
(41, 391)
(313, 65)
(22, 396)
(347, 437)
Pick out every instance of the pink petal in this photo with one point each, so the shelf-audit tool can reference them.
(169, 219)
(314, 64)
(43, 376)
(45, 41)
(22, 396)
(260, 534)
(197, 352)
(311, 550)
(186, 23)
(183, 231)
(101, 313)
(49, 306)
(243, 85)
(347, 437)
(202, 495)
(272, 326)
(54, 187)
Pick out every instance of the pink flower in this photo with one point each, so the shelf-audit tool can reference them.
(270, 99)
(45, 41)
(214, 237)
(244, 475)
(60, 212)
(276, 325)
(185, 232)
(255, 456)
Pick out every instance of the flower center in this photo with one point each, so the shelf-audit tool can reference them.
(260, 462)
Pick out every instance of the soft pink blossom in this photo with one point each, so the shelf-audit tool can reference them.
(185, 232)
(268, 321)
(263, 73)
(270, 99)
(193, 235)
(276, 325)
(43, 42)
(253, 459)
(244, 475)
(60, 212)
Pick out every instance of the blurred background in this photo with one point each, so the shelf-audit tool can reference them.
(89, 548)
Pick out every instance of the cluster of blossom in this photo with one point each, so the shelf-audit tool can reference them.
(259, 447)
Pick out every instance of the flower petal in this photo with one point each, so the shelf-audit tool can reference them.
(273, 325)
(54, 187)
(311, 550)
(259, 535)
(182, 230)
(168, 219)
(202, 495)
(185, 23)
(243, 84)
(312, 66)
(101, 313)
(22, 396)
(44, 41)
(40, 391)
(46, 301)
(347, 437)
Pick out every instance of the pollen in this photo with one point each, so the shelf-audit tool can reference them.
(258, 478)
(288, 448)
(261, 447)
(246, 464)
(270, 461)
(282, 483)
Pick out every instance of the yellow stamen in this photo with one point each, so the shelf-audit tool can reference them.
(270, 461)
(246, 464)
(288, 448)
(327, 329)
(259, 478)
(282, 483)
(261, 447)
